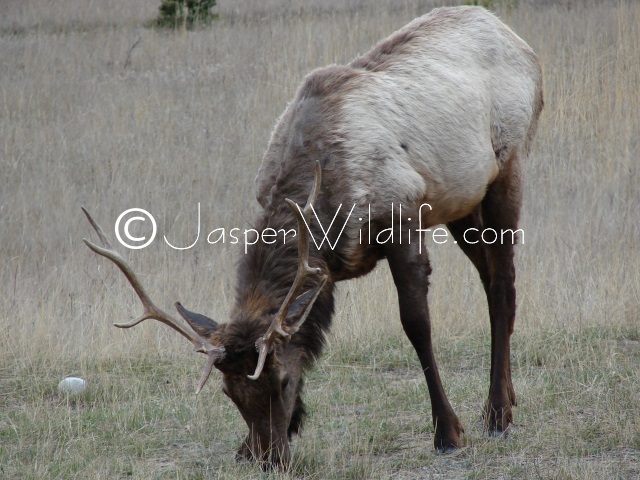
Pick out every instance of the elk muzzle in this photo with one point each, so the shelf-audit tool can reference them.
(271, 452)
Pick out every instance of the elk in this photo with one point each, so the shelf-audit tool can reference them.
(441, 113)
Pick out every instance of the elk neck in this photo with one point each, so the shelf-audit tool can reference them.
(265, 275)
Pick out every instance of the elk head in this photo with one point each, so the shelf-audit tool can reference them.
(261, 367)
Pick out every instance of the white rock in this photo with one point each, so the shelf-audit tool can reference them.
(72, 386)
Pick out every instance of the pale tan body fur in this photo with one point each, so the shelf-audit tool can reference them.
(461, 95)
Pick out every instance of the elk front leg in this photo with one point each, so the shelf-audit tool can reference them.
(410, 270)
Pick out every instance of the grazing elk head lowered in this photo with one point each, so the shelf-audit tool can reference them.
(263, 376)
(440, 114)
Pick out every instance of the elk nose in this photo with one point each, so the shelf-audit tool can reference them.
(278, 456)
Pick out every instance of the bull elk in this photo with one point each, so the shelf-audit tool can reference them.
(441, 113)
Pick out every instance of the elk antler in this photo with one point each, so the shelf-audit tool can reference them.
(213, 352)
(266, 343)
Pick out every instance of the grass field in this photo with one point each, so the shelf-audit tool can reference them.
(97, 110)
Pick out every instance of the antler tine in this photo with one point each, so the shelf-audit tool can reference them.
(266, 342)
(103, 238)
(150, 309)
(206, 370)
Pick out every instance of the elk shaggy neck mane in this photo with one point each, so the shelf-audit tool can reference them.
(264, 276)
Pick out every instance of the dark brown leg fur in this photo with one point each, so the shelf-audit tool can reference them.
(499, 211)
(410, 272)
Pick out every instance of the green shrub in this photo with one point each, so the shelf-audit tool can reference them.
(185, 13)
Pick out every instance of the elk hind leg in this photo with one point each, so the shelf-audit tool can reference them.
(467, 233)
(500, 213)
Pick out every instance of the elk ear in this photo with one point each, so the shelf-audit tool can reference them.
(301, 307)
(202, 325)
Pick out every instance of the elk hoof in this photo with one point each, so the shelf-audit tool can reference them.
(498, 433)
(448, 439)
(445, 449)
(497, 420)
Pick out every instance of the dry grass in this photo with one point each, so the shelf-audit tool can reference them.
(186, 121)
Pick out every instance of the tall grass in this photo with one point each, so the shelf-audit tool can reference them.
(96, 110)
